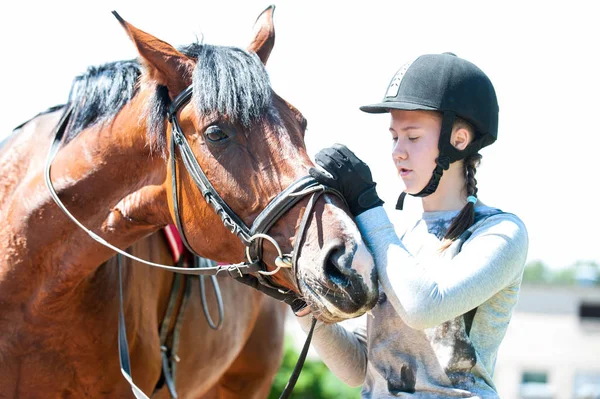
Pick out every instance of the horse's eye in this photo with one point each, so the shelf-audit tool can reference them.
(215, 134)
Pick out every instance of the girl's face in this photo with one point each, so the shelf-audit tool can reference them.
(415, 136)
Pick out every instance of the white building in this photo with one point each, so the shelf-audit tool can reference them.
(552, 346)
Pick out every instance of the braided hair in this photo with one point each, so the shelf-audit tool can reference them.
(466, 217)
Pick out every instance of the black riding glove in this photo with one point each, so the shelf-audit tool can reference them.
(349, 175)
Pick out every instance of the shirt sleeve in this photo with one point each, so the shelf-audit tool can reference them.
(343, 351)
(491, 259)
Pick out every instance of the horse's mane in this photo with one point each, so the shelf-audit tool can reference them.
(98, 94)
(227, 81)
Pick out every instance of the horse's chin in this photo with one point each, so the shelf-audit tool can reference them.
(323, 307)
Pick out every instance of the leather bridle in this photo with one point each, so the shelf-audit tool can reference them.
(252, 237)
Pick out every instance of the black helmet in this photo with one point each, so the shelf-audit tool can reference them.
(452, 86)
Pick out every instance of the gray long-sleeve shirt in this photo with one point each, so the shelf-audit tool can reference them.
(441, 315)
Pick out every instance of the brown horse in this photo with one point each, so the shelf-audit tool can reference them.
(59, 289)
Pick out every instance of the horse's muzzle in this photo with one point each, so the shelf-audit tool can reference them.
(346, 285)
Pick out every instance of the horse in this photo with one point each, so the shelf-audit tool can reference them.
(115, 174)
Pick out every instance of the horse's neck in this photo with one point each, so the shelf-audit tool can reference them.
(106, 177)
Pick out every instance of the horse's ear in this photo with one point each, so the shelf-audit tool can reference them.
(264, 38)
(166, 65)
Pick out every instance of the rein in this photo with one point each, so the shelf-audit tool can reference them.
(252, 237)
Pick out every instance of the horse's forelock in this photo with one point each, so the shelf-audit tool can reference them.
(227, 81)
(232, 82)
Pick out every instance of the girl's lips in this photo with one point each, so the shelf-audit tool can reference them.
(404, 172)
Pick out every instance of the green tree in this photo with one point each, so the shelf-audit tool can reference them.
(315, 381)
(564, 276)
(581, 272)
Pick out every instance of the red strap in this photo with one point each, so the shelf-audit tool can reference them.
(176, 244)
(174, 240)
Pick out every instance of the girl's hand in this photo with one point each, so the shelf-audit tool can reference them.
(345, 172)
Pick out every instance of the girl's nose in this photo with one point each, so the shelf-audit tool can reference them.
(398, 152)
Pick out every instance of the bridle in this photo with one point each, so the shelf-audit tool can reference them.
(252, 237)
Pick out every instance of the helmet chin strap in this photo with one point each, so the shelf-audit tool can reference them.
(442, 162)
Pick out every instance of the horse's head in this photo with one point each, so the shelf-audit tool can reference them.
(250, 144)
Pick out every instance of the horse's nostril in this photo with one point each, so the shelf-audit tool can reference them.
(337, 265)
(341, 284)
(334, 274)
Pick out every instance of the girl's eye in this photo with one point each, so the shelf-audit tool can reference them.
(413, 138)
(215, 134)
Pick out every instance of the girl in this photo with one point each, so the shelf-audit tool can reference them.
(448, 284)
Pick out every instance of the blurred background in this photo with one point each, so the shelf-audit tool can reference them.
(330, 58)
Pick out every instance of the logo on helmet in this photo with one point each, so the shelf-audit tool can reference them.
(392, 90)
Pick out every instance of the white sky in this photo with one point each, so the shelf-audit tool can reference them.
(331, 57)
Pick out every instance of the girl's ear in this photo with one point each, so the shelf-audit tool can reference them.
(460, 139)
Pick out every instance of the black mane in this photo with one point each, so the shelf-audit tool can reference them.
(99, 93)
